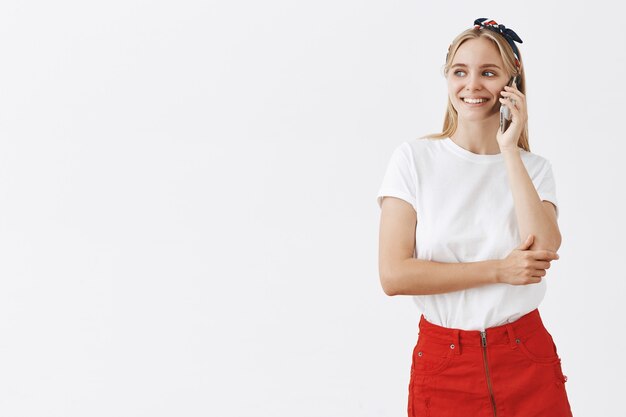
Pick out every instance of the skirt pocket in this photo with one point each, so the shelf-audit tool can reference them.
(538, 347)
(431, 357)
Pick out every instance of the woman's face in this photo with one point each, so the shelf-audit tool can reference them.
(482, 76)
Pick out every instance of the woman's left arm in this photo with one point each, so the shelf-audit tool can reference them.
(534, 216)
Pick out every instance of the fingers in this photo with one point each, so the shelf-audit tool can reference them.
(536, 278)
(514, 91)
(527, 244)
(545, 255)
(508, 94)
(542, 265)
(541, 269)
(508, 103)
(513, 94)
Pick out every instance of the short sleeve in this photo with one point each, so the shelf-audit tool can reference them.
(546, 186)
(400, 179)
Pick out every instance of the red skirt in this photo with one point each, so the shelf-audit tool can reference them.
(512, 370)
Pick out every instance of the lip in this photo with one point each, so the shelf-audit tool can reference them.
(476, 104)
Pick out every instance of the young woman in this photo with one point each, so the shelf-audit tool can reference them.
(455, 207)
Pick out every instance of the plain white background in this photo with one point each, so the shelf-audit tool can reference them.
(188, 218)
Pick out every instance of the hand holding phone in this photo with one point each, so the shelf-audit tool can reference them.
(505, 113)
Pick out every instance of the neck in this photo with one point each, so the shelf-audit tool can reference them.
(478, 136)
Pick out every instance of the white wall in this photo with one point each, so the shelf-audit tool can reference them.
(188, 224)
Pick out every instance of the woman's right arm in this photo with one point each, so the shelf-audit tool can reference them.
(401, 274)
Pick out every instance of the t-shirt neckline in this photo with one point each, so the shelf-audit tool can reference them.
(475, 157)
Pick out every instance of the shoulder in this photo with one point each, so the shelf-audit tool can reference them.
(418, 152)
(425, 142)
(418, 147)
(535, 162)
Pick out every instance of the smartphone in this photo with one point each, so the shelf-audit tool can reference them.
(505, 113)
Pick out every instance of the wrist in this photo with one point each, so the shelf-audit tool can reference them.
(512, 150)
(494, 275)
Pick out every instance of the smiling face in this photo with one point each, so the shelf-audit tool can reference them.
(482, 76)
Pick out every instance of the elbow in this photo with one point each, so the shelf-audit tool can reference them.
(552, 243)
(392, 277)
(389, 290)
(557, 245)
(388, 284)
(555, 242)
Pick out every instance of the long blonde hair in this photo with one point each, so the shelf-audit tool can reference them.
(450, 121)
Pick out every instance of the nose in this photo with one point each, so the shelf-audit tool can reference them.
(473, 83)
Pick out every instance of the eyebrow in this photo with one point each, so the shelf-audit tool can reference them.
(482, 66)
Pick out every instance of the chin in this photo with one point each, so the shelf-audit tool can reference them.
(474, 117)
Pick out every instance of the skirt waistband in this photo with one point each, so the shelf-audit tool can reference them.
(505, 334)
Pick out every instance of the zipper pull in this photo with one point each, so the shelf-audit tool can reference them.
(483, 336)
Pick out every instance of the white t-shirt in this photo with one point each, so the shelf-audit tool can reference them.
(465, 213)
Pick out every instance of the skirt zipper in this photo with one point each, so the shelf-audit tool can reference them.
(483, 335)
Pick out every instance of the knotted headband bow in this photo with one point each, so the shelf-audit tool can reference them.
(510, 36)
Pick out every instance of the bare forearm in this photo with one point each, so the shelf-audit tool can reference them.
(418, 276)
(530, 212)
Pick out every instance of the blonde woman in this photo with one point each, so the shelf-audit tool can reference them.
(469, 229)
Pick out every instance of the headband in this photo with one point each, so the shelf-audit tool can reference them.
(510, 36)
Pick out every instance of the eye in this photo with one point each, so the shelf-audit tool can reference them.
(485, 72)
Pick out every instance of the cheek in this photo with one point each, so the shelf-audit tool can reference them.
(452, 90)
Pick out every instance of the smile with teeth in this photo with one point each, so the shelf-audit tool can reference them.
(474, 100)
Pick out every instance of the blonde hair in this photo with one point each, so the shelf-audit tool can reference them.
(450, 121)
